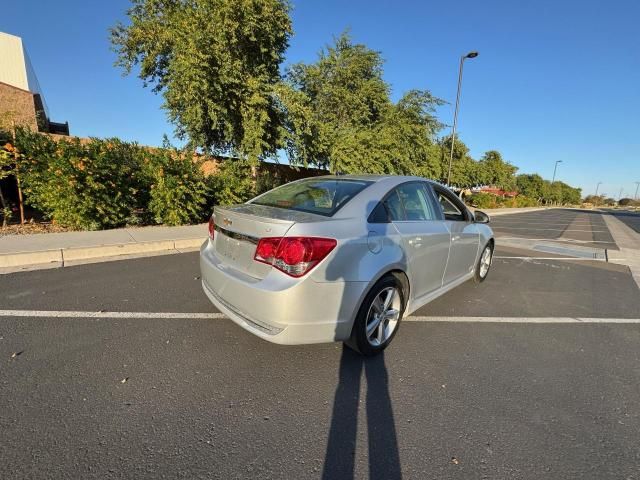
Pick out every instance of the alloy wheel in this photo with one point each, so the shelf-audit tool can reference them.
(485, 261)
(383, 316)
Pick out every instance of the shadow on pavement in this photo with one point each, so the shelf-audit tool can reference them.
(384, 459)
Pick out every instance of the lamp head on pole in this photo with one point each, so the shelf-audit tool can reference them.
(473, 54)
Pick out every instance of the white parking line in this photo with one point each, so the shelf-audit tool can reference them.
(524, 319)
(563, 224)
(548, 258)
(557, 240)
(552, 229)
(76, 314)
(218, 316)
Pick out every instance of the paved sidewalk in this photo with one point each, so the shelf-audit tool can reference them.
(51, 250)
(629, 243)
(493, 212)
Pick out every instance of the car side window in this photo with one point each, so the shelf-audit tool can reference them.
(409, 202)
(393, 206)
(449, 208)
(415, 202)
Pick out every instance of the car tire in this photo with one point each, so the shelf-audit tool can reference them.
(483, 265)
(368, 337)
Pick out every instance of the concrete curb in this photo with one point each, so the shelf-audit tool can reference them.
(30, 258)
(78, 255)
(496, 212)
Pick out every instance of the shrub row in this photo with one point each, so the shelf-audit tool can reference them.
(106, 183)
(487, 200)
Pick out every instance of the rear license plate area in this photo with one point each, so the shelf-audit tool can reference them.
(227, 247)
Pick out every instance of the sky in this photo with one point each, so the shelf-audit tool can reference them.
(554, 80)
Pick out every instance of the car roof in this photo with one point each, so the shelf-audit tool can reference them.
(373, 178)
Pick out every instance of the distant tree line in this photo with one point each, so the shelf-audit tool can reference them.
(603, 200)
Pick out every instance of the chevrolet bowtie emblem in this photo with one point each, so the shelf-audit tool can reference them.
(226, 221)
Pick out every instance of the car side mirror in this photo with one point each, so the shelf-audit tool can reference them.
(480, 217)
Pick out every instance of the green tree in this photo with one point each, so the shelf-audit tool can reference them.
(340, 116)
(465, 171)
(216, 62)
(496, 171)
(530, 185)
(568, 194)
(628, 202)
(594, 199)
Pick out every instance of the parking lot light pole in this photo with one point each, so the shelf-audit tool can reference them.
(455, 114)
(554, 171)
(597, 187)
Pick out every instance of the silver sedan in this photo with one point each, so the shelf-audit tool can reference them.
(341, 258)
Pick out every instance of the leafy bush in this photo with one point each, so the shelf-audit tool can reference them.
(107, 183)
(526, 201)
(628, 202)
(233, 183)
(487, 200)
(6, 169)
(482, 200)
(88, 185)
(177, 191)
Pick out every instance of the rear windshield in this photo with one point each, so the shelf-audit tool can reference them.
(322, 196)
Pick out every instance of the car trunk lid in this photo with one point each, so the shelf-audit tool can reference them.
(240, 227)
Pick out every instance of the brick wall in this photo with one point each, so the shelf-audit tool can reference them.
(19, 105)
(286, 173)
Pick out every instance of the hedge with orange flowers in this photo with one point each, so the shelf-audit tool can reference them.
(107, 183)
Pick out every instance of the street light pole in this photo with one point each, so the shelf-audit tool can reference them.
(635, 197)
(554, 171)
(596, 195)
(455, 114)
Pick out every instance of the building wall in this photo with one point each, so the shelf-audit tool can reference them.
(18, 105)
(26, 98)
(13, 66)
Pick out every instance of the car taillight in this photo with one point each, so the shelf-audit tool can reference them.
(295, 256)
(212, 227)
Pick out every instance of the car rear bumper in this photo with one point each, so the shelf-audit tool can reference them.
(279, 308)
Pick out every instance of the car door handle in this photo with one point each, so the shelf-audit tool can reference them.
(456, 238)
(416, 242)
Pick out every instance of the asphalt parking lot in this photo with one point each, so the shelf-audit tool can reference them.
(573, 226)
(534, 373)
(632, 219)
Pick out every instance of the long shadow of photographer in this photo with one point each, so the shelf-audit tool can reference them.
(384, 459)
